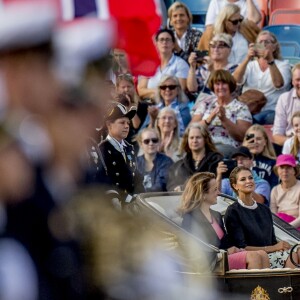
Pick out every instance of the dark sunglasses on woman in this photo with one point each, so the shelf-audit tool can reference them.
(170, 87)
(153, 140)
(235, 22)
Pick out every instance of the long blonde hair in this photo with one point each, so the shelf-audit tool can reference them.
(269, 149)
(247, 28)
(224, 15)
(194, 193)
(296, 144)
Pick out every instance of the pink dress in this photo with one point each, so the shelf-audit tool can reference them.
(287, 218)
(235, 260)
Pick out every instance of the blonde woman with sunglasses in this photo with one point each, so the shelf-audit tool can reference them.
(231, 21)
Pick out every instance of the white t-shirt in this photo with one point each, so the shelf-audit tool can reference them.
(239, 49)
(176, 67)
(255, 78)
(215, 7)
(287, 147)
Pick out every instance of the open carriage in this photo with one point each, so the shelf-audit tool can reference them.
(283, 283)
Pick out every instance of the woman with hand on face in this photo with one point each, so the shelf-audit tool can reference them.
(168, 128)
(226, 118)
(285, 197)
(199, 195)
(170, 94)
(152, 165)
(264, 156)
(220, 49)
(200, 155)
(125, 85)
(170, 64)
(187, 38)
(268, 73)
(250, 225)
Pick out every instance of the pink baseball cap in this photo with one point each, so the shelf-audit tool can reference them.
(287, 160)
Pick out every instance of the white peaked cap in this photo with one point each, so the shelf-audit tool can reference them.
(25, 24)
(80, 42)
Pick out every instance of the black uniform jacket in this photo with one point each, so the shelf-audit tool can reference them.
(119, 173)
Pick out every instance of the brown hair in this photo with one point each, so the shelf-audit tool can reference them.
(209, 144)
(269, 149)
(196, 188)
(223, 76)
(233, 176)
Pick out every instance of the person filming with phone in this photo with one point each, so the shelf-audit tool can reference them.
(202, 65)
(242, 157)
(264, 69)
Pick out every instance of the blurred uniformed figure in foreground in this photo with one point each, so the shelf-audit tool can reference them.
(51, 120)
(130, 257)
(118, 168)
(18, 278)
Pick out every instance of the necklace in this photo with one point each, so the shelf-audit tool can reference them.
(196, 163)
(253, 206)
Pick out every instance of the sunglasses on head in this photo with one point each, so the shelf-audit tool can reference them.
(170, 87)
(235, 22)
(126, 75)
(153, 140)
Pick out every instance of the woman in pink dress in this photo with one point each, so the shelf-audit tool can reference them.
(200, 193)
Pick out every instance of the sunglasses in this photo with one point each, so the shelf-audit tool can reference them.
(170, 87)
(219, 46)
(235, 22)
(126, 75)
(153, 140)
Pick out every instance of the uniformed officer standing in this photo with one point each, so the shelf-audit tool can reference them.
(118, 170)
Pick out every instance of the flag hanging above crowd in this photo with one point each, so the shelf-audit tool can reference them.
(136, 22)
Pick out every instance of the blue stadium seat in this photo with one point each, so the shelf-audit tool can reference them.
(288, 37)
(292, 60)
(198, 9)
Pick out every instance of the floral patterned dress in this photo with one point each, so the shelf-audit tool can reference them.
(235, 110)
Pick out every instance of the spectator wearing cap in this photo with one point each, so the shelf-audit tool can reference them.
(285, 197)
(244, 158)
(118, 157)
(201, 68)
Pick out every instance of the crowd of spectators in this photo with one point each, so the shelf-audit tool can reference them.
(101, 125)
(212, 101)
